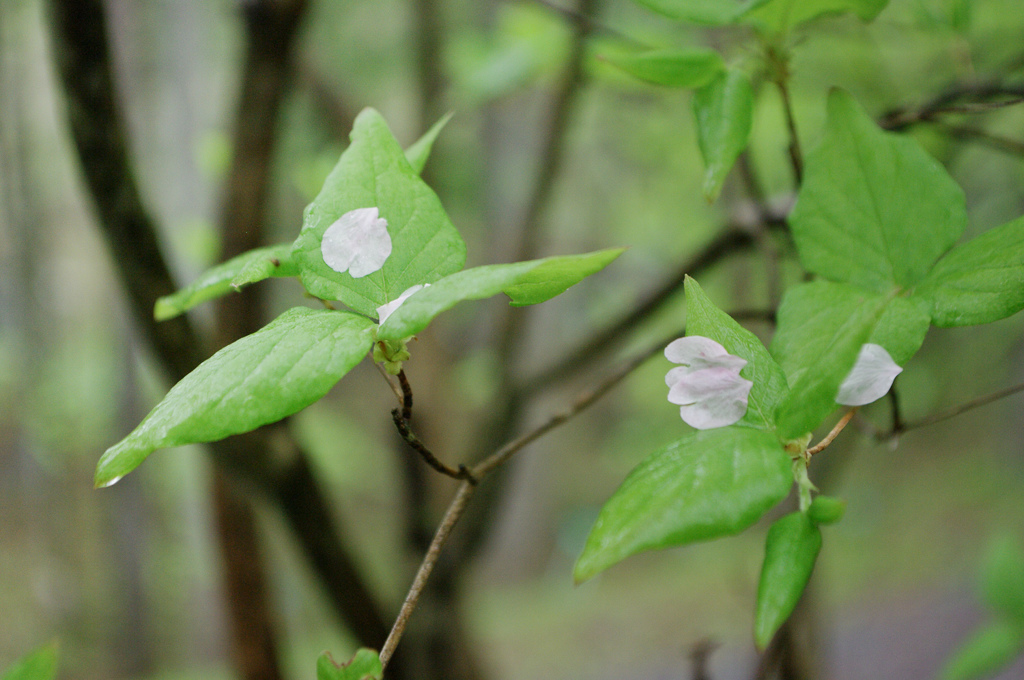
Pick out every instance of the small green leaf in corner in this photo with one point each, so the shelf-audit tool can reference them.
(39, 664)
(365, 665)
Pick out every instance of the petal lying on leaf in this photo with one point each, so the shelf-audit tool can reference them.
(707, 387)
(870, 378)
(386, 310)
(358, 242)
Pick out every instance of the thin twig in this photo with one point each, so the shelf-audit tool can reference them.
(402, 418)
(796, 157)
(451, 516)
(957, 99)
(949, 413)
(823, 444)
(465, 492)
(605, 341)
(998, 142)
(462, 472)
(403, 382)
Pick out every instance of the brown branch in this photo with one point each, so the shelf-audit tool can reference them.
(998, 142)
(97, 131)
(956, 99)
(451, 517)
(830, 437)
(552, 156)
(426, 454)
(605, 341)
(949, 413)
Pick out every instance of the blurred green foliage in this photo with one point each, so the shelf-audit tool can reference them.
(129, 578)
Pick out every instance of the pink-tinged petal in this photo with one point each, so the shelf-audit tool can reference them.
(693, 347)
(707, 387)
(704, 384)
(358, 242)
(386, 310)
(725, 408)
(870, 378)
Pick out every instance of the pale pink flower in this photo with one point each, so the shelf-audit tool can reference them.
(707, 387)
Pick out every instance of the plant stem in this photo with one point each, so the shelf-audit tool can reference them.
(823, 444)
(451, 516)
(950, 413)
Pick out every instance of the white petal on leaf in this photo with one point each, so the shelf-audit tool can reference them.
(358, 242)
(707, 387)
(386, 310)
(870, 378)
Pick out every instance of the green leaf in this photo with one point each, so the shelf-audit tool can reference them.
(985, 652)
(811, 315)
(813, 395)
(709, 484)
(373, 172)
(259, 379)
(693, 67)
(227, 277)
(554, 275)
(826, 510)
(790, 550)
(526, 283)
(365, 665)
(723, 109)
(39, 664)
(1002, 578)
(875, 210)
(419, 152)
(777, 16)
(979, 281)
(707, 12)
(705, 319)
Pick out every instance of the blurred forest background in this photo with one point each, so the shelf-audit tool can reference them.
(550, 151)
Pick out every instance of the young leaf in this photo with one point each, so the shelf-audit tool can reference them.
(693, 67)
(789, 553)
(723, 109)
(39, 664)
(554, 275)
(813, 395)
(275, 372)
(418, 153)
(365, 665)
(979, 281)
(875, 210)
(812, 313)
(779, 15)
(708, 484)
(526, 283)
(373, 172)
(826, 510)
(989, 649)
(227, 277)
(705, 319)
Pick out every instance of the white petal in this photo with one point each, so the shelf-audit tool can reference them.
(358, 242)
(386, 310)
(692, 347)
(706, 384)
(724, 409)
(870, 378)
